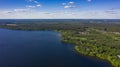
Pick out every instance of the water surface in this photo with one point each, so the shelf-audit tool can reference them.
(40, 49)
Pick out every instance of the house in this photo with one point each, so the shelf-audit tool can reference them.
(116, 32)
(84, 33)
(11, 24)
(118, 56)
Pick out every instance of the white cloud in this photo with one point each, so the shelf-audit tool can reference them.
(58, 15)
(71, 2)
(26, 9)
(69, 6)
(20, 10)
(6, 12)
(26, 13)
(30, 6)
(98, 14)
(14, 11)
(38, 5)
(30, 0)
(89, 0)
(45, 12)
(36, 2)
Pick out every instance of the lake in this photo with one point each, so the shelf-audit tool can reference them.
(40, 49)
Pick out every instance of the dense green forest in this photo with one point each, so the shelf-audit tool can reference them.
(99, 38)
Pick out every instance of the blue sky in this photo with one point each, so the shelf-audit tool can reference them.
(59, 9)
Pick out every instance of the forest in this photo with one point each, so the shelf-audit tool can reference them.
(97, 38)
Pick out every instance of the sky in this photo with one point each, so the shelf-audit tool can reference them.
(59, 9)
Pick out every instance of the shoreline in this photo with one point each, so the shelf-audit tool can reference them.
(89, 56)
(82, 52)
(95, 57)
(76, 50)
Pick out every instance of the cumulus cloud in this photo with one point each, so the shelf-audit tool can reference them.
(111, 12)
(38, 5)
(25, 9)
(70, 4)
(114, 11)
(15, 11)
(6, 12)
(30, 6)
(28, 13)
(36, 2)
(30, 0)
(56, 15)
(20, 10)
(89, 0)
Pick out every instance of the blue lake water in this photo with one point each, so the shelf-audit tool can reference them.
(40, 49)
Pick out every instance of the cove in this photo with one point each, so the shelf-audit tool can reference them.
(40, 49)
